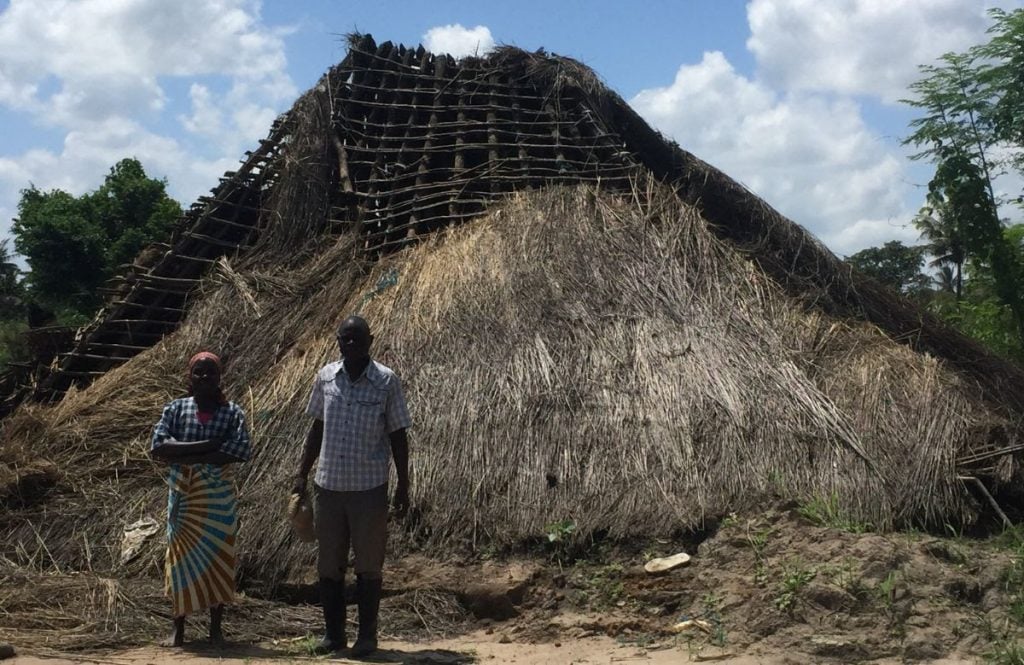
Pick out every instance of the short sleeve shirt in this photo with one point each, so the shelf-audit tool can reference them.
(180, 420)
(358, 416)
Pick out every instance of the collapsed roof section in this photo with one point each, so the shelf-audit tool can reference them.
(416, 142)
(149, 299)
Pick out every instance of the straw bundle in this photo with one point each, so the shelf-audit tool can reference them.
(568, 356)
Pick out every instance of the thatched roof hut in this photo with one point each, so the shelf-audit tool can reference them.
(591, 324)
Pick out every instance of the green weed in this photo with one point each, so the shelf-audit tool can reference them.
(847, 577)
(711, 601)
(1005, 653)
(1013, 580)
(827, 512)
(728, 521)
(602, 585)
(1016, 609)
(886, 589)
(954, 532)
(558, 532)
(1011, 538)
(712, 604)
(795, 576)
(559, 537)
(758, 541)
(306, 646)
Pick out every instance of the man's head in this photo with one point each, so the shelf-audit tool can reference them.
(354, 338)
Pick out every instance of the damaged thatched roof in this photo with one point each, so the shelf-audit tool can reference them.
(568, 356)
(398, 142)
(608, 330)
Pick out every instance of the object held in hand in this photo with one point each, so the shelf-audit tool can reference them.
(300, 513)
(174, 447)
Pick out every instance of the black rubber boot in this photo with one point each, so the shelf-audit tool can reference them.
(216, 624)
(368, 592)
(332, 598)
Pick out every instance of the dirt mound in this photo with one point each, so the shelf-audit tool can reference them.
(776, 583)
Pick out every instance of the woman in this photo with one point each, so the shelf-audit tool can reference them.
(199, 436)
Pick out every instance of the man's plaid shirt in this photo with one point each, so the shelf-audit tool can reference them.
(179, 421)
(355, 453)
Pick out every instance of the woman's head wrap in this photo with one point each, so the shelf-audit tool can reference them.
(211, 357)
(204, 355)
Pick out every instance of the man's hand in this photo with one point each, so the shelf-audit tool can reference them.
(400, 502)
(300, 485)
(400, 453)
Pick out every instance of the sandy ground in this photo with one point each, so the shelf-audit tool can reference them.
(477, 647)
(770, 588)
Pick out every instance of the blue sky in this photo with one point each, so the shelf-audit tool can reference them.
(797, 99)
(629, 48)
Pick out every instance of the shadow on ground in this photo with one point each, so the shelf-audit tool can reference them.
(258, 652)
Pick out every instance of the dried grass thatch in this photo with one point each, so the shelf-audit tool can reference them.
(569, 356)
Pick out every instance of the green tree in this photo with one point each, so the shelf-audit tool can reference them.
(981, 313)
(1000, 64)
(10, 285)
(63, 247)
(1015, 237)
(73, 244)
(947, 281)
(963, 100)
(893, 264)
(12, 311)
(132, 210)
(945, 242)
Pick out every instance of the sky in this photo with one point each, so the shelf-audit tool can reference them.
(796, 99)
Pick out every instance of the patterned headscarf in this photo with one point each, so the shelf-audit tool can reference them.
(205, 355)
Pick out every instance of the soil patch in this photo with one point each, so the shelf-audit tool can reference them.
(766, 587)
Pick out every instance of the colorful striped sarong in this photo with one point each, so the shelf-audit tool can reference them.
(201, 527)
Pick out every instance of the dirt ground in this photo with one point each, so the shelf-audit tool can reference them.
(778, 586)
(475, 648)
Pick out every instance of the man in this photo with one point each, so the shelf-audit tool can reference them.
(359, 423)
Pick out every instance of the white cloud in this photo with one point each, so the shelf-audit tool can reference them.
(870, 47)
(458, 41)
(107, 56)
(811, 157)
(98, 71)
(86, 156)
(872, 233)
(206, 118)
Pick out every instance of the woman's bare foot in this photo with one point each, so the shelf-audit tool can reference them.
(177, 637)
